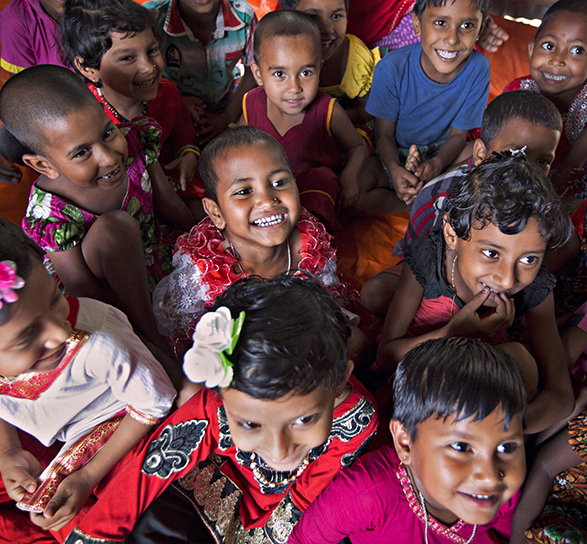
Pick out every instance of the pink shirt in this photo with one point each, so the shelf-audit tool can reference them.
(29, 36)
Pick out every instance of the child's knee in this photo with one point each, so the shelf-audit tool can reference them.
(527, 365)
(115, 228)
(377, 292)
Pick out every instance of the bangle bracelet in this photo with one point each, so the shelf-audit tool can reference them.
(189, 149)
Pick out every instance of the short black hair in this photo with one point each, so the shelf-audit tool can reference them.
(293, 4)
(570, 6)
(460, 376)
(293, 338)
(284, 23)
(86, 27)
(421, 5)
(243, 136)
(36, 98)
(17, 247)
(507, 191)
(521, 104)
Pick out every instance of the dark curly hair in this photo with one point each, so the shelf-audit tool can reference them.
(293, 338)
(460, 376)
(507, 191)
(421, 5)
(86, 27)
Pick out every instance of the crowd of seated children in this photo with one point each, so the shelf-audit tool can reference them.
(430, 94)
(95, 207)
(201, 44)
(278, 418)
(72, 372)
(112, 45)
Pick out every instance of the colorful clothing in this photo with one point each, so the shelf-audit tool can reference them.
(205, 70)
(374, 502)
(404, 94)
(177, 129)
(204, 270)
(56, 224)
(428, 208)
(314, 154)
(29, 36)
(106, 373)
(194, 451)
(574, 118)
(425, 257)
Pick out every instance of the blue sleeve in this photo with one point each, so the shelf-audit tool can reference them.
(383, 99)
(471, 114)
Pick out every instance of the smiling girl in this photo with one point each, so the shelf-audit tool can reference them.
(484, 269)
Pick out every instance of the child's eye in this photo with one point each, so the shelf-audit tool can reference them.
(336, 16)
(460, 446)
(280, 182)
(530, 259)
(549, 46)
(491, 253)
(278, 73)
(307, 73)
(249, 425)
(154, 52)
(243, 192)
(306, 420)
(508, 447)
(439, 23)
(468, 25)
(126, 58)
(28, 338)
(81, 153)
(577, 50)
(107, 135)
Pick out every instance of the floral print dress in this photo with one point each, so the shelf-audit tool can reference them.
(58, 225)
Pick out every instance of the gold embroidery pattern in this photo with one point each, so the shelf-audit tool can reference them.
(31, 385)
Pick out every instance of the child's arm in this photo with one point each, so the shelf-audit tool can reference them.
(450, 150)
(19, 468)
(167, 204)
(357, 113)
(343, 130)
(406, 184)
(574, 159)
(555, 399)
(76, 488)
(394, 344)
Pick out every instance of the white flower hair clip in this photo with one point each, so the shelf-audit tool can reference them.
(215, 337)
(9, 282)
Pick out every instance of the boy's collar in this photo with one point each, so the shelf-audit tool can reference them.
(226, 20)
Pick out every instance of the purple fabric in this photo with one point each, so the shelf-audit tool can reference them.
(401, 36)
(29, 36)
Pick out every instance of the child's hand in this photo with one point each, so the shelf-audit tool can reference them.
(428, 170)
(19, 469)
(68, 500)
(9, 174)
(492, 36)
(406, 185)
(468, 323)
(211, 126)
(350, 192)
(414, 159)
(186, 165)
(197, 108)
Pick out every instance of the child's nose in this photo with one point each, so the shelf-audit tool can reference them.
(56, 331)
(104, 155)
(452, 36)
(488, 471)
(146, 64)
(558, 58)
(294, 85)
(505, 277)
(278, 445)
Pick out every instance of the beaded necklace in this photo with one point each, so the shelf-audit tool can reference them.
(113, 111)
(293, 476)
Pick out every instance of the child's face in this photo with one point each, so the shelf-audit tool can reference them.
(33, 339)
(87, 149)
(540, 141)
(331, 18)
(281, 431)
(464, 469)
(448, 33)
(289, 69)
(558, 57)
(505, 263)
(258, 200)
(132, 68)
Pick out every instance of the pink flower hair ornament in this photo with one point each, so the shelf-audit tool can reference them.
(215, 337)
(9, 282)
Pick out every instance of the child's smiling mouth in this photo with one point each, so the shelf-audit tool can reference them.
(484, 501)
(269, 221)
(447, 55)
(145, 85)
(554, 77)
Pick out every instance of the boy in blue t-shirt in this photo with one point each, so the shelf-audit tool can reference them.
(427, 96)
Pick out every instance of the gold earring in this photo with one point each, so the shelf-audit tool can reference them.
(501, 474)
(452, 283)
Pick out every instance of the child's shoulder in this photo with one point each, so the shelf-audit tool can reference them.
(242, 8)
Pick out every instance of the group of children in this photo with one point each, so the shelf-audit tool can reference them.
(245, 347)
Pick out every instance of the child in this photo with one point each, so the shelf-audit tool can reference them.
(489, 256)
(456, 463)
(430, 94)
(201, 44)
(113, 46)
(311, 126)
(558, 68)
(255, 227)
(71, 371)
(93, 208)
(516, 120)
(250, 452)
(347, 72)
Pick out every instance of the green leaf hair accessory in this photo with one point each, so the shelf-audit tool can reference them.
(215, 337)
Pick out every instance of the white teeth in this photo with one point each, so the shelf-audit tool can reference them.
(485, 497)
(269, 221)
(491, 289)
(449, 55)
(108, 176)
(554, 77)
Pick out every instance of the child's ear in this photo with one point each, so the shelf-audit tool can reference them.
(349, 370)
(401, 441)
(530, 49)
(416, 24)
(90, 73)
(213, 211)
(479, 151)
(256, 73)
(42, 165)
(450, 236)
